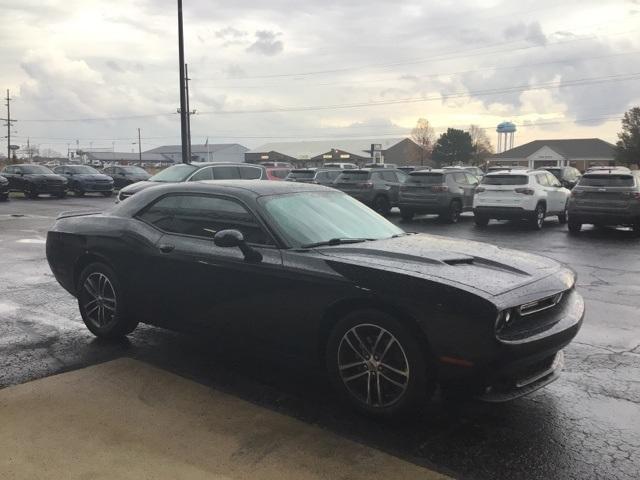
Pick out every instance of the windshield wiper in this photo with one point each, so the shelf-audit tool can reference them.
(336, 241)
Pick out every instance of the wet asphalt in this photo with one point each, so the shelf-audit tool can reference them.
(584, 426)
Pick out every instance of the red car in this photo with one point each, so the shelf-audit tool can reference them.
(277, 173)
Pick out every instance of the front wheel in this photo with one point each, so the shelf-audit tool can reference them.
(537, 219)
(102, 303)
(562, 218)
(378, 365)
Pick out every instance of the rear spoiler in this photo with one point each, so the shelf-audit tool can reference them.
(78, 213)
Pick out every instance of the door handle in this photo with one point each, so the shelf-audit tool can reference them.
(166, 248)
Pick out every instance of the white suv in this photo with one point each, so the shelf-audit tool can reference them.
(517, 194)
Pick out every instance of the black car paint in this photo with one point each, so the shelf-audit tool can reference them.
(86, 182)
(447, 291)
(4, 188)
(36, 183)
(122, 178)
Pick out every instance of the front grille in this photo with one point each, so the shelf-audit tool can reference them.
(539, 305)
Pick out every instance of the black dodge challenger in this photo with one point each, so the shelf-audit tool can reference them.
(311, 272)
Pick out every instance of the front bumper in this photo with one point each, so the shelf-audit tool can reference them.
(49, 188)
(97, 187)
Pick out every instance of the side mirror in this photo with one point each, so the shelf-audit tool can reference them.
(234, 238)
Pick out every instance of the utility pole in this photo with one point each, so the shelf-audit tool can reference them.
(186, 74)
(9, 124)
(186, 155)
(139, 148)
(29, 148)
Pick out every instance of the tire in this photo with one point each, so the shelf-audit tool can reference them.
(574, 227)
(480, 220)
(30, 194)
(537, 219)
(404, 388)
(453, 214)
(101, 301)
(382, 205)
(4, 198)
(61, 195)
(78, 193)
(407, 214)
(107, 194)
(562, 218)
(636, 228)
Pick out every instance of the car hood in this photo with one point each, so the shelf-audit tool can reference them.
(38, 177)
(139, 186)
(91, 176)
(481, 266)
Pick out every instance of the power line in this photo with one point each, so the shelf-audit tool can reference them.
(487, 92)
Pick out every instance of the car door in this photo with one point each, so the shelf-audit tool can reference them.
(470, 189)
(210, 289)
(558, 194)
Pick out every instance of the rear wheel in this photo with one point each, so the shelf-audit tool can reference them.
(574, 227)
(378, 365)
(107, 194)
(102, 303)
(453, 214)
(537, 219)
(382, 205)
(481, 220)
(407, 214)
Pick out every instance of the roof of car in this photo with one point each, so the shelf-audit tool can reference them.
(508, 171)
(225, 164)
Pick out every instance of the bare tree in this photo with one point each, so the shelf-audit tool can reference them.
(424, 136)
(482, 148)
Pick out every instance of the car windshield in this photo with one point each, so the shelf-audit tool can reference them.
(313, 217)
(425, 178)
(35, 169)
(607, 181)
(82, 169)
(302, 174)
(136, 170)
(505, 180)
(176, 173)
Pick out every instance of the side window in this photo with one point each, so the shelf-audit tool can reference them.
(161, 213)
(376, 176)
(542, 179)
(204, 174)
(203, 216)
(389, 177)
(471, 180)
(226, 173)
(8, 170)
(253, 173)
(460, 177)
(553, 181)
(322, 176)
(17, 170)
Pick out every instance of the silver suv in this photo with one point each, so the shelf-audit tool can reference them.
(447, 192)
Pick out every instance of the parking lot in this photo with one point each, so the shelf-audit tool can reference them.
(585, 425)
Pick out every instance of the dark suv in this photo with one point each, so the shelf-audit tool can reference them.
(606, 197)
(320, 176)
(567, 176)
(376, 187)
(446, 193)
(124, 175)
(32, 180)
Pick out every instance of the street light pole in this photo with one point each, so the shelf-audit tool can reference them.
(139, 147)
(183, 103)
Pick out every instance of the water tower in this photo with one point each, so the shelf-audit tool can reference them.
(506, 132)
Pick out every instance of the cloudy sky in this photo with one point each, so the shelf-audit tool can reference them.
(280, 70)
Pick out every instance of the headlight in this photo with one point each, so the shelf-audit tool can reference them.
(503, 319)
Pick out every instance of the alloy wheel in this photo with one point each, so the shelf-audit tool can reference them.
(373, 365)
(99, 300)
